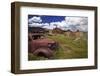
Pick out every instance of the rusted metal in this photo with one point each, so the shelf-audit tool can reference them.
(46, 52)
(43, 46)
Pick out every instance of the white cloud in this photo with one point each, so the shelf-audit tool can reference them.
(35, 25)
(61, 24)
(49, 26)
(80, 23)
(72, 23)
(83, 28)
(73, 20)
(34, 19)
(38, 24)
(55, 24)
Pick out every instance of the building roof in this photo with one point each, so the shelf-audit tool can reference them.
(36, 30)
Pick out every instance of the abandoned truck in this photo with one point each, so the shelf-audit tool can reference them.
(39, 45)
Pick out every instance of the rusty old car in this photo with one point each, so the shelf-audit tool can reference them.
(39, 45)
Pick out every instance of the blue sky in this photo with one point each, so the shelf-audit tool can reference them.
(64, 22)
(48, 19)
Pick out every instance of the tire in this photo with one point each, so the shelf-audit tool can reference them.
(45, 52)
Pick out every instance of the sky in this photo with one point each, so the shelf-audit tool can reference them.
(72, 23)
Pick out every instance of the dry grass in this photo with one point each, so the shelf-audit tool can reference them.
(68, 48)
